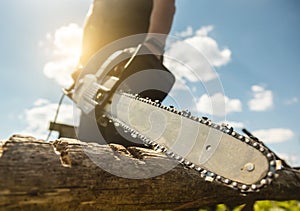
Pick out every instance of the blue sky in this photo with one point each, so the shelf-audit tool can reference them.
(254, 48)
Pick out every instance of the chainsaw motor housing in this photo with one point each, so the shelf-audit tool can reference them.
(133, 70)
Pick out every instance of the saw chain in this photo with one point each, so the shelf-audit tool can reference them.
(273, 163)
(216, 151)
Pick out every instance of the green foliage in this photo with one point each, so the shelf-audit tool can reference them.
(277, 206)
(264, 206)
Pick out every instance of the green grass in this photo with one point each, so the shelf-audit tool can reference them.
(265, 206)
(277, 205)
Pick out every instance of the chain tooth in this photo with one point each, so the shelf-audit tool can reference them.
(145, 140)
(134, 135)
(227, 181)
(194, 118)
(273, 163)
(169, 153)
(179, 159)
(156, 148)
(254, 187)
(261, 149)
(155, 144)
(197, 119)
(199, 169)
(186, 162)
(244, 187)
(203, 173)
(150, 142)
(192, 166)
(205, 118)
(270, 180)
(219, 178)
(270, 174)
(163, 149)
(263, 182)
(216, 126)
(255, 145)
(242, 138)
(172, 155)
(186, 113)
(210, 177)
(234, 184)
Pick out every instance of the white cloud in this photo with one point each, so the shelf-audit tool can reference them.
(41, 102)
(64, 47)
(203, 31)
(293, 160)
(188, 32)
(195, 56)
(39, 116)
(209, 47)
(235, 124)
(262, 99)
(291, 101)
(274, 135)
(180, 85)
(218, 105)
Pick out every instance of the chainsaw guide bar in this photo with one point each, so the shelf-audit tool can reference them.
(216, 151)
(240, 162)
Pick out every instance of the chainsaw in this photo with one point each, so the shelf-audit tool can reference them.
(217, 152)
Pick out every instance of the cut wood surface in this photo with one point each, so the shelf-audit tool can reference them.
(61, 175)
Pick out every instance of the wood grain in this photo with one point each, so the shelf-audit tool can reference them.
(59, 175)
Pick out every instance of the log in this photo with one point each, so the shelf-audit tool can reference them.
(67, 174)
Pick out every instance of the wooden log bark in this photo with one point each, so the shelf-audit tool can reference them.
(60, 175)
